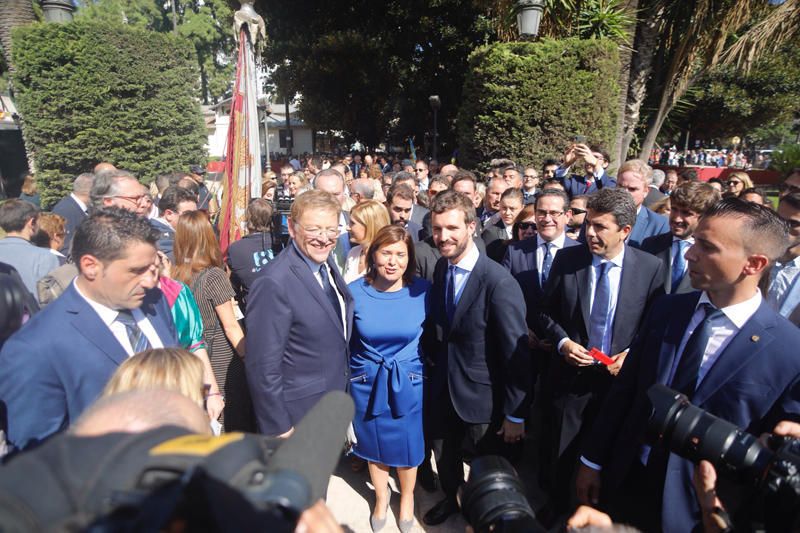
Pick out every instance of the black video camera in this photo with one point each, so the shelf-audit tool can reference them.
(282, 206)
(772, 469)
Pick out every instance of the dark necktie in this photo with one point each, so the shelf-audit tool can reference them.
(450, 293)
(685, 379)
(598, 319)
(330, 292)
(138, 340)
(547, 262)
(678, 264)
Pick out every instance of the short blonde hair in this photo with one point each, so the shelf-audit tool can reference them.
(172, 369)
(637, 166)
(746, 181)
(373, 215)
(314, 200)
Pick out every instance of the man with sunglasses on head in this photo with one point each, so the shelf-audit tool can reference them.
(782, 286)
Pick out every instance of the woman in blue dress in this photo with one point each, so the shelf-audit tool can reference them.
(386, 370)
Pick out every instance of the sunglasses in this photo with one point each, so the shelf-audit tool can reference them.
(527, 225)
(734, 182)
(577, 210)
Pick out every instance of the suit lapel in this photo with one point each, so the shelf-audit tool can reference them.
(673, 336)
(627, 295)
(583, 278)
(471, 289)
(86, 321)
(149, 310)
(747, 344)
(301, 270)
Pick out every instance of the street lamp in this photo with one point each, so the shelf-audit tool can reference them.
(436, 104)
(529, 15)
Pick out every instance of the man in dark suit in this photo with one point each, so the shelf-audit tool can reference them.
(419, 215)
(594, 177)
(299, 319)
(635, 176)
(174, 202)
(497, 235)
(595, 297)
(59, 362)
(74, 207)
(724, 347)
(476, 343)
(400, 203)
(782, 286)
(688, 203)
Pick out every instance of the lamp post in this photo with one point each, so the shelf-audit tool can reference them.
(436, 103)
(529, 15)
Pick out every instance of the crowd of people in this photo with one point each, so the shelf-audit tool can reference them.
(526, 309)
(716, 157)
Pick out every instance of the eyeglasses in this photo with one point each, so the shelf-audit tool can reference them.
(544, 214)
(134, 199)
(526, 225)
(531, 176)
(577, 210)
(420, 169)
(329, 233)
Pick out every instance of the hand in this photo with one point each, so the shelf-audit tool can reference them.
(575, 354)
(317, 519)
(705, 481)
(538, 344)
(586, 153)
(214, 406)
(287, 434)
(616, 366)
(587, 485)
(164, 264)
(570, 156)
(586, 516)
(787, 429)
(512, 431)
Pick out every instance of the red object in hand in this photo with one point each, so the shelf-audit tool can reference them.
(600, 356)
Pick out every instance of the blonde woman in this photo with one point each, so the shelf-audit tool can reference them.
(366, 219)
(173, 369)
(738, 182)
(298, 184)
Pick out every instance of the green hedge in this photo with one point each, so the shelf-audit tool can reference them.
(91, 92)
(527, 101)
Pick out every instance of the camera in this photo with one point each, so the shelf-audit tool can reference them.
(493, 498)
(773, 469)
(282, 205)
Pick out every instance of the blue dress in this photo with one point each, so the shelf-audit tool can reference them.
(386, 373)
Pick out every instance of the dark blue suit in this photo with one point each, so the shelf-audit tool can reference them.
(648, 224)
(575, 185)
(661, 247)
(59, 362)
(520, 260)
(296, 348)
(753, 384)
(69, 209)
(166, 237)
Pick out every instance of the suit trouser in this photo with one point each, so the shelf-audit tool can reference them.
(458, 441)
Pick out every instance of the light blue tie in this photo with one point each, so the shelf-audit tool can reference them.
(678, 263)
(137, 338)
(598, 319)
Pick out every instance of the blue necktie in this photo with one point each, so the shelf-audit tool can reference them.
(138, 340)
(450, 295)
(685, 379)
(547, 262)
(330, 292)
(678, 263)
(598, 319)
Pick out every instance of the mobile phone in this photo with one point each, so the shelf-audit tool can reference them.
(580, 139)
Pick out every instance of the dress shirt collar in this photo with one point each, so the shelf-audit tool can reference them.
(558, 242)
(106, 314)
(690, 240)
(468, 262)
(793, 263)
(739, 313)
(79, 202)
(313, 265)
(617, 260)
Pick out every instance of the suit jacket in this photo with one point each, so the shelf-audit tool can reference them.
(661, 247)
(426, 255)
(59, 362)
(482, 358)
(496, 240)
(754, 384)
(520, 260)
(296, 348)
(419, 214)
(575, 184)
(31, 262)
(648, 224)
(68, 208)
(415, 230)
(653, 196)
(564, 312)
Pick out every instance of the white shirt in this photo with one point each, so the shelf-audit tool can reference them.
(464, 268)
(557, 244)
(509, 230)
(314, 266)
(109, 318)
(79, 202)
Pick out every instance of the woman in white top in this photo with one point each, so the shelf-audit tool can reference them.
(366, 219)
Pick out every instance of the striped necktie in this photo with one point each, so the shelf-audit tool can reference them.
(137, 338)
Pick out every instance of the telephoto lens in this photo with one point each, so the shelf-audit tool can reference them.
(493, 498)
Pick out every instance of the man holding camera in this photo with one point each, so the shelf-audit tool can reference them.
(595, 162)
(724, 347)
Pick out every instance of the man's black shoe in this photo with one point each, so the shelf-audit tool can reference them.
(440, 512)
(427, 477)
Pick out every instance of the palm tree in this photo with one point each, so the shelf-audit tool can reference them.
(13, 13)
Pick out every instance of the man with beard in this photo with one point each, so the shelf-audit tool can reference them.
(476, 344)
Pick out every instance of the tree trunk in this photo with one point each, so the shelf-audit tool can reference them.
(13, 13)
(625, 59)
(646, 46)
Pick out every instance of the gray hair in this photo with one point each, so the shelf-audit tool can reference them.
(106, 184)
(83, 183)
(658, 177)
(364, 188)
(618, 202)
(403, 176)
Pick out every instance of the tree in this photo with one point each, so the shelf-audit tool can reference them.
(94, 92)
(206, 23)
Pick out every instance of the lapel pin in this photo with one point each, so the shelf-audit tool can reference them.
(755, 338)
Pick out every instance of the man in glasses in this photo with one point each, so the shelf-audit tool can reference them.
(594, 177)
(530, 179)
(119, 188)
(299, 317)
(578, 208)
(783, 282)
(421, 170)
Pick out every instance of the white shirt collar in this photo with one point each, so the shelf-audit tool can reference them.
(106, 314)
(78, 201)
(739, 313)
(558, 242)
(617, 260)
(468, 261)
(690, 239)
(794, 262)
